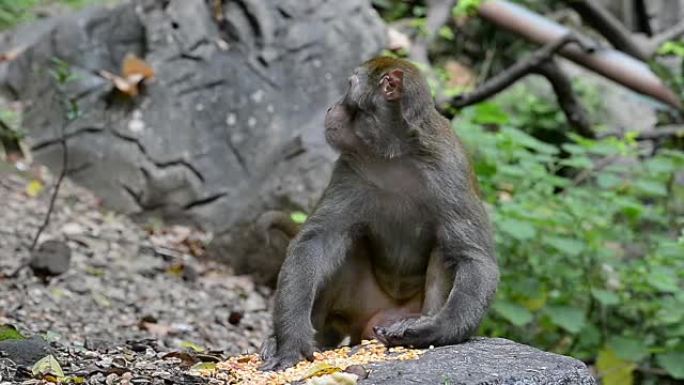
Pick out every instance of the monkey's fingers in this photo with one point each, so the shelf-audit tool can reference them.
(268, 348)
(416, 332)
(282, 361)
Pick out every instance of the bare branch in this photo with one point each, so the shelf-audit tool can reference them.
(438, 13)
(575, 113)
(609, 26)
(598, 166)
(514, 73)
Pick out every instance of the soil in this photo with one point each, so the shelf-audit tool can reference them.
(137, 305)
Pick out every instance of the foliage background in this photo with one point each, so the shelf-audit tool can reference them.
(589, 232)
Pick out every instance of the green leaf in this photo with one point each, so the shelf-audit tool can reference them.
(629, 349)
(192, 346)
(47, 365)
(200, 367)
(446, 33)
(569, 246)
(651, 187)
(672, 47)
(298, 217)
(608, 180)
(613, 370)
(9, 332)
(489, 113)
(569, 318)
(605, 297)
(517, 229)
(514, 313)
(465, 8)
(529, 141)
(661, 165)
(663, 279)
(673, 363)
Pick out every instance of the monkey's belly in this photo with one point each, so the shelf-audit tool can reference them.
(358, 303)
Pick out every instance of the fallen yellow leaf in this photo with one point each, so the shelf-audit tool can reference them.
(34, 188)
(613, 370)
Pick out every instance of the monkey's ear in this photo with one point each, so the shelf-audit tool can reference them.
(392, 84)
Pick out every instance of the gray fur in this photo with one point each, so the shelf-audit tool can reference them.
(401, 192)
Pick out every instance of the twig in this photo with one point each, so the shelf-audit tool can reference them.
(610, 27)
(486, 65)
(58, 184)
(598, 166)
(515, 72)
(657, 133)
(674, 32)
(575, 113)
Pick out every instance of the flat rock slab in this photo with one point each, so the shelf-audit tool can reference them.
(490, 361)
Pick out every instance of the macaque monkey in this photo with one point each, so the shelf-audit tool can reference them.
(399, 248)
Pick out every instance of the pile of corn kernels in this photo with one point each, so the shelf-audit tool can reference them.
(245, 369)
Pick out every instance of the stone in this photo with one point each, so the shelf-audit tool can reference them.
(24, 352)
(232, 123)
(51, 258)
(482, 361)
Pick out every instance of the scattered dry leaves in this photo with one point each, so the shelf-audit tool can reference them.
(245, 369)
(133, 72)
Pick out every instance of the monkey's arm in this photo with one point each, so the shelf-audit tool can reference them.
(466, 247)
(313, 257)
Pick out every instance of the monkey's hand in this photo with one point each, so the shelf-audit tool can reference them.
(280, 357)
(417, 332)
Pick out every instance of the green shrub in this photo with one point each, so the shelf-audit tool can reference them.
(592, 262)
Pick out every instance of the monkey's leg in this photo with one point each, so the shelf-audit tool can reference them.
(475, 277)
(438, 282)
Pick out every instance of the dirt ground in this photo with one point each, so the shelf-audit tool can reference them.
(132, 294)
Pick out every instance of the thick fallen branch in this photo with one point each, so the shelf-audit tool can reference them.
(610, 63)
(610, 27)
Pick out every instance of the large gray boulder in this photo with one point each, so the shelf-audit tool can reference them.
(482, 361)
(230, 127)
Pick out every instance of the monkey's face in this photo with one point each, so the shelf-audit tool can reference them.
(367, 120)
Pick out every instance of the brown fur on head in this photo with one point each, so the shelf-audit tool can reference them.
(386, 100)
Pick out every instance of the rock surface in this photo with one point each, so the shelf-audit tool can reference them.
(230, 126)
(50, 258)
(483, 361)
(24, 352)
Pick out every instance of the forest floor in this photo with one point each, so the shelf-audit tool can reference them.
(135, 301)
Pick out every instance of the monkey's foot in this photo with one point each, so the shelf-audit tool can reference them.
(416, 332)
(279, 359)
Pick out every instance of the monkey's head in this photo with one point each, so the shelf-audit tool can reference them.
(383, 107)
